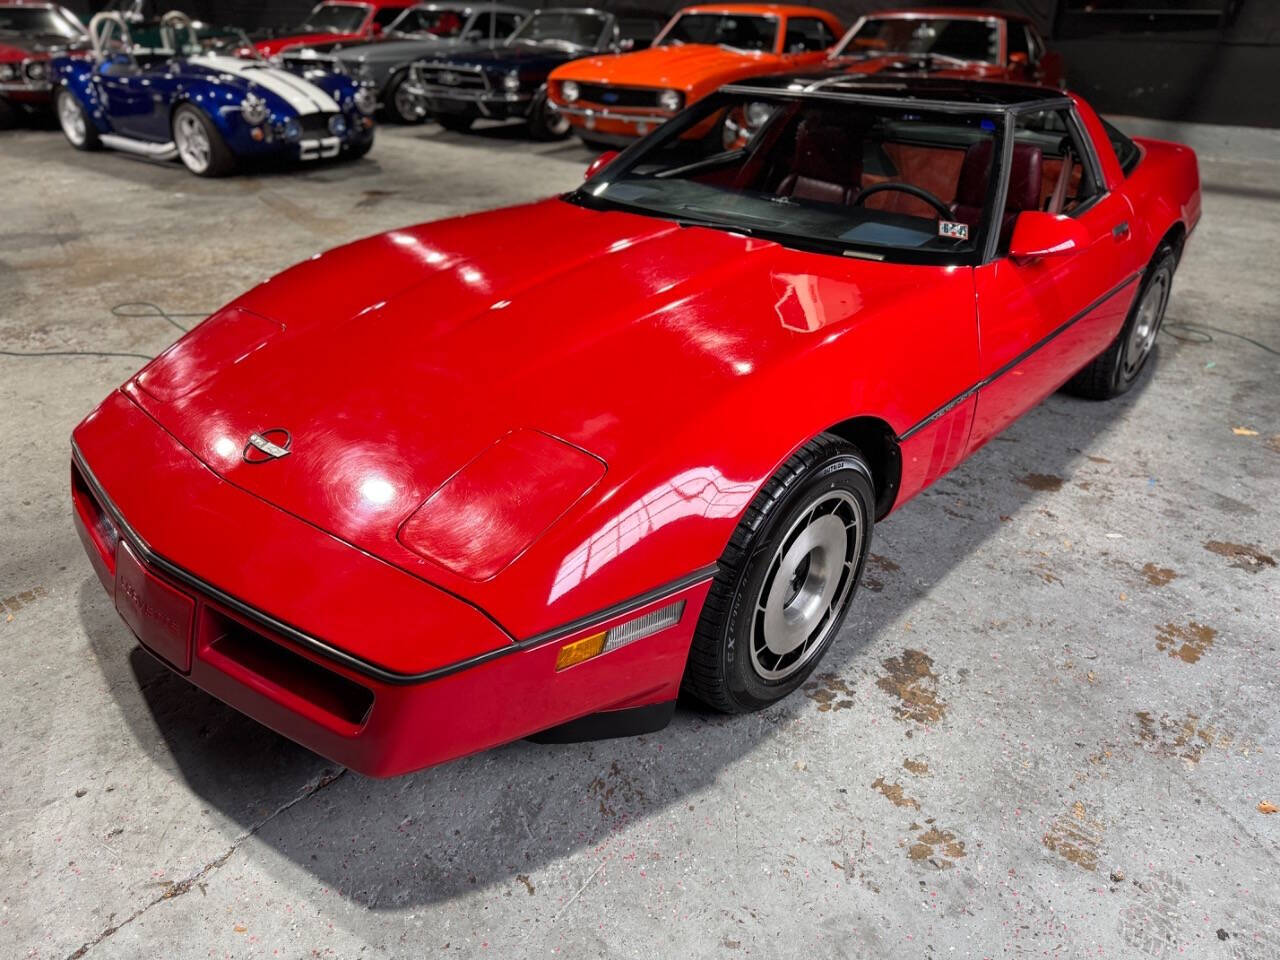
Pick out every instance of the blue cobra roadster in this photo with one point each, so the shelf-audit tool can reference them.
(171, 89)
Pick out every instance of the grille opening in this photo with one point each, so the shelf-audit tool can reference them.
(101, 529)
(333, 693)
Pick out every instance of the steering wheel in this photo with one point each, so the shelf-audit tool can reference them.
(918, 192)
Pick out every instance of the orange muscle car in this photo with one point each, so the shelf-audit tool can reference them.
(611, 100)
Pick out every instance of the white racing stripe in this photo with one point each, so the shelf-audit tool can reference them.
(302, 96)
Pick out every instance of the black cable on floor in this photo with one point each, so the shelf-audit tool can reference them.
(131, 310)
(75, 353)
(1206, 337)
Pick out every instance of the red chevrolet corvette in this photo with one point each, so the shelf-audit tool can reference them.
(564, 459)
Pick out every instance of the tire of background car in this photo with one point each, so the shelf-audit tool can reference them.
(455, 123)
(200, 147)
(396, 101)
(545, 121)
(598, 146)
(1114, 370)
(8, 115)
(785, 580)
(360, 149)
(74, 120)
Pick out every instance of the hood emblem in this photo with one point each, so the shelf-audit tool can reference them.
(268, 445)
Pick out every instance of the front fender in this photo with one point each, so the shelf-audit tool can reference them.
(76, 76)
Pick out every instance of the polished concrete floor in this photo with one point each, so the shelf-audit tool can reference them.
(1050, 726)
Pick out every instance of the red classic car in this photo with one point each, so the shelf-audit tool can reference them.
(31, 33)
(949, 41)
(335, 22)
(406, 520)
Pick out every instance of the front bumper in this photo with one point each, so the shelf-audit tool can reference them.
(595, 121)
(238, 602)
(485, 104)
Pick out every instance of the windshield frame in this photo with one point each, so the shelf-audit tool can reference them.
(589, 194)
(606, 30)
(996, 23)
(660, 39)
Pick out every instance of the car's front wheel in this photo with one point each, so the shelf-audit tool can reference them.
(545, 121)
(786, 579)
(74, 120)
(402, 103)
(200, 146)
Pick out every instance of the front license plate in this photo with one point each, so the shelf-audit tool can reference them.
(158, 614)
(319, 149)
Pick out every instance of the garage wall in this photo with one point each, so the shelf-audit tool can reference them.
(1207, 61)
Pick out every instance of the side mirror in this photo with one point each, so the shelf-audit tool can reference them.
(1037, 235)
(599, 163)
(375, 29)
(1018, 59)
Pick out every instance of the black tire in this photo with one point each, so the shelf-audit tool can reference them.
(599, 146)
(1115, 370)
(65, 104)
(393, 106)
(725, 668)
(545, 121)
(8, 115)
(221, 161)
(360, 149)
(455, 123)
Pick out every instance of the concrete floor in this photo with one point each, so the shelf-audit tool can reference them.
(1046, 728)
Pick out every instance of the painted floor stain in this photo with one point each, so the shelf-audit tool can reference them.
(1158, 576)
(12, 605)
(910, 678)
(1187, 643)
(1188, 738)
(1075, 837)
(919, 768)
(829, 692)
(894, 794)
(1242, 555)
(935, 846)
(1041, 481)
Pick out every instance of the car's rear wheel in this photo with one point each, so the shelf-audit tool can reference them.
(545, 121)
(455, 123)
(200, 146)
(74, 120)
(1114, 371)
(786, 579)
(401, 103)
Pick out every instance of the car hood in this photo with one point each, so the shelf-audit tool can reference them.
(394, 362)
(271, 47)
(506, 57)
(684, 67)
(22, 47)
(869, 63)
(286, 93)
(393, 51)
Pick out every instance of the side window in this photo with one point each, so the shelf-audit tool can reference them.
(507, 23)
(1016, 36)
(1052, 170)
(638, 31)
(807, 33)
(387, 15)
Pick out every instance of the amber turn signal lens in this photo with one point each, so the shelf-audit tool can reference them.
(580, 650)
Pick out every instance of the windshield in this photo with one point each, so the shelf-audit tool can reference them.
(725, 29)
(961, 39)
(838, 176)
(563, 27)
(336, 18)
(189, 40)
(434, 23)
(38, 21)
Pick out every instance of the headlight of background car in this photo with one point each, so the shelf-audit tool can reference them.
(8, 72)
(253, 109)
(671, 100)
(511, 82)
(569, 90)
(366, 101)
(37, 71)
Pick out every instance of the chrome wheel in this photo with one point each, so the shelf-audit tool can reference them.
(72, 118)
(192, 141)
(409, 106)
(557, 123)
(808, 582)
(1146, 323)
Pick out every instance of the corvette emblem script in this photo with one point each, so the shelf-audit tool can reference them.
(268, 445)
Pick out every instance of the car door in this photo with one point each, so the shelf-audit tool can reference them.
(1041, 321)
(125, 89)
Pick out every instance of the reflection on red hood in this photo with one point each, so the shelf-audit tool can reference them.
(269, 48)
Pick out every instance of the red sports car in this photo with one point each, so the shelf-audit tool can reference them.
(31, 34)
(336, 22)
(561, 460)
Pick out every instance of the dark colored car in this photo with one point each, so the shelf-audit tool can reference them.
(425, 30)
(30, 35)
(510, 80)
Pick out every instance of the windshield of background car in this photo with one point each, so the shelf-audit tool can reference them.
(964, 39)
(336, 18)
(860, 178)
(573, 29)
(724, 29)
(435, 23)
(37, 21)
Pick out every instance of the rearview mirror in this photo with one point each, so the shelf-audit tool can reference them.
(599, 163)
(1037, 235)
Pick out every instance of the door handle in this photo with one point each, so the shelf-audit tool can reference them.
(1120, 230)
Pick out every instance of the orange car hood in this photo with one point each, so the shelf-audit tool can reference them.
(693, 67)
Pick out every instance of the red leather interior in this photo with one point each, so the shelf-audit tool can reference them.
(1026, 179)
(821, 168)
(936, 169)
